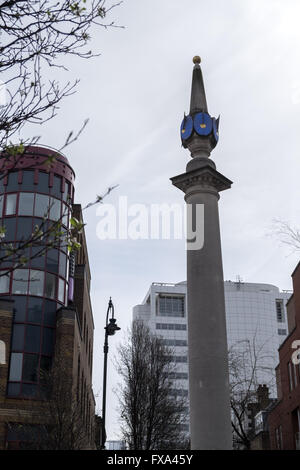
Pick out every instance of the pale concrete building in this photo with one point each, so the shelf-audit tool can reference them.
(255, 318)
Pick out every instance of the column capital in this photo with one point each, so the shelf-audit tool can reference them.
(204, 179)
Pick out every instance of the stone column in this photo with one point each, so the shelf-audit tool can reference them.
(210, 423)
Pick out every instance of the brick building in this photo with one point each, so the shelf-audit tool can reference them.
(284, 419)
(46, 320)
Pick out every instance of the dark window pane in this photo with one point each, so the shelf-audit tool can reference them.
(30, 367)
(50, 313)
(12, 181)
(18, 337)
(62, 264)
(28, 181)
(28, 390)
(56, 189)
(13, 389)
(52, 261)
(26, 201)
(38, 257)
(43, 184)
(19, 308)
(24, 231)
(2, 188)
(46, 363)
(35, 308)
(10, 229)
(1, 203)
(48, 341)
(32, 338)
(5, 260)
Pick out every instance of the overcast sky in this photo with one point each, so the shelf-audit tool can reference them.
(135, 95)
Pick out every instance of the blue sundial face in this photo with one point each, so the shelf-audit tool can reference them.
(203, 123)
(216, 128)
(186, 127)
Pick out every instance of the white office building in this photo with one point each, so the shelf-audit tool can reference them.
(255, 316)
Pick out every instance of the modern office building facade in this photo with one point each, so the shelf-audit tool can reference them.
(256, 320)
(45, 307)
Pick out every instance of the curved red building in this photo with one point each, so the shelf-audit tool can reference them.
(37, 195)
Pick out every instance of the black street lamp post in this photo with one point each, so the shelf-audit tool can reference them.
(110, 328)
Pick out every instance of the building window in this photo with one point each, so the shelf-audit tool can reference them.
(4, 282)
(20, 281)
(177, 358)
(281, 331)
(11, 204)
(26, 201)
(170, 306)
(170, 326)
(174, 342)
(15, 371)
(280, 311)
(178, 375)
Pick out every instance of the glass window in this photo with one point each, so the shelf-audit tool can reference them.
(36, 282)
(13, 389)
(15, 371)
(28, 181)
(41, 208)
(50, 285)
(171, 306)
(12, 181)
(26, 204)
(65, 216)
(54, 209)
(32, 338)
(24, 231)
(11, 204)
(20, 281)
(19, 308)
(46, 363)
(1, 204)
(35, 308)
(67, 190)
(4, 282)
(62, 264)
(61, 290)
(30, 368)
(56, 189)
(10, 229)
(52, 260)
(48, 341)
(28, 390)
(18, 338)
(38, 257)
(43, 183)
(50, 313)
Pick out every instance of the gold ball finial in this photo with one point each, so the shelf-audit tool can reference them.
(196, 59)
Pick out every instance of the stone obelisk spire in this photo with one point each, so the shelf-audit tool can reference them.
(210, 422)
